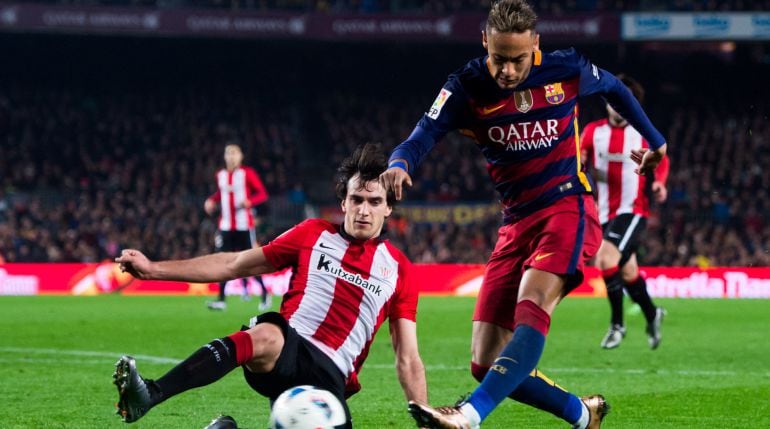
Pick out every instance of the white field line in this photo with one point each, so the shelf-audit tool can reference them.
(31, 353)
(629, 371)
(24, 354)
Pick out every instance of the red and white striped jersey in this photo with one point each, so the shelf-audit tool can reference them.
(619, 189)
(235, 187)
(342, 290)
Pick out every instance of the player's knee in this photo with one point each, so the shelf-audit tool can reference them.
(607, 257)
(630, 271)
(267, 342)
(630, 276)
(478, 371)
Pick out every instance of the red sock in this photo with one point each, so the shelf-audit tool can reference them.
(529, 313)
(243, 347)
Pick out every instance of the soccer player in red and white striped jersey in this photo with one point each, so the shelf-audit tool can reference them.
(347, 281)
(624, 205)
(239, 191)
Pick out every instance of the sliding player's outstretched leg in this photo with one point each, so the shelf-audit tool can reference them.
(134, 399)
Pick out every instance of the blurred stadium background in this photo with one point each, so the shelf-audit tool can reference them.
(114, 115)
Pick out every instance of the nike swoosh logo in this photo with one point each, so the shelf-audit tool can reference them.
(325, 246)
(488, 110)
(543, 256)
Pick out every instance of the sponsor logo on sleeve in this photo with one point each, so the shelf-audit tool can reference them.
(438, 104)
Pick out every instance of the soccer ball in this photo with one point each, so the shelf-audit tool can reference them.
(307, 407)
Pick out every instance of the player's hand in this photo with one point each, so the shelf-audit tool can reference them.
(209, 207)
(395, 178)
(647, 159)
(135, 263)
(246, 204)
(659, 192)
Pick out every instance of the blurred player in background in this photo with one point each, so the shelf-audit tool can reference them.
(520, 105)
(347, 281)
(239, 191)
(624, 205)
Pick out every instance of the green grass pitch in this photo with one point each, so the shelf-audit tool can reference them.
(711, 370)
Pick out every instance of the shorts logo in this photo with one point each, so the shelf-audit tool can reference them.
(523, 100)
(438, 104)
(554, 93)
(540, 256)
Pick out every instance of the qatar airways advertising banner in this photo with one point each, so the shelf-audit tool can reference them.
(434, 279)
(247, 24)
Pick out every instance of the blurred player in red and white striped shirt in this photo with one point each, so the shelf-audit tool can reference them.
(347, 281)
(624, 205)
(239, 191)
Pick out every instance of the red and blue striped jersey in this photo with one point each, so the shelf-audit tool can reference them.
(529, 134)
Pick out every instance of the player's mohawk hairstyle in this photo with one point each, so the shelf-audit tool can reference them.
(368, 161)
(511, 16)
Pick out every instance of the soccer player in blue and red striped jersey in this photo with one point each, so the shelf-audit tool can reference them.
(520, 105)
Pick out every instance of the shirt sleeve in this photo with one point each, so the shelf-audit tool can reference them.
(257, 192)
(284, 250)
(444, 115)
(216, 196)
(595, 80)
(405, 303)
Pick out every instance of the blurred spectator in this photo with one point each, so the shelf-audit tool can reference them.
(86, 174)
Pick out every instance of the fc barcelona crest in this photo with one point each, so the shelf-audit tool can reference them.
(554, 93)
(523, 100)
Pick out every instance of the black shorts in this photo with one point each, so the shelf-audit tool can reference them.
(299, 363)
(625, 232)
(234, 241)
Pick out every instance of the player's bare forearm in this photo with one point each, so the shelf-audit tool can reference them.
(409, 366)
(216, 267)
(411, 375)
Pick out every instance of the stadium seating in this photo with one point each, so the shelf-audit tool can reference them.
(102, 161)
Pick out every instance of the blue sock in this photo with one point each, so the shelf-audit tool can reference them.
(542, 393)
(517, 360)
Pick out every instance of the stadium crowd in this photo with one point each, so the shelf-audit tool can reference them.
(86, 174)
(88, 170)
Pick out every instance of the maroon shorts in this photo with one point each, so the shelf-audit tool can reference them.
(557, 239)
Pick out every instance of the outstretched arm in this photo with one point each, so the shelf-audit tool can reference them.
(409, 366)
(216, 267)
